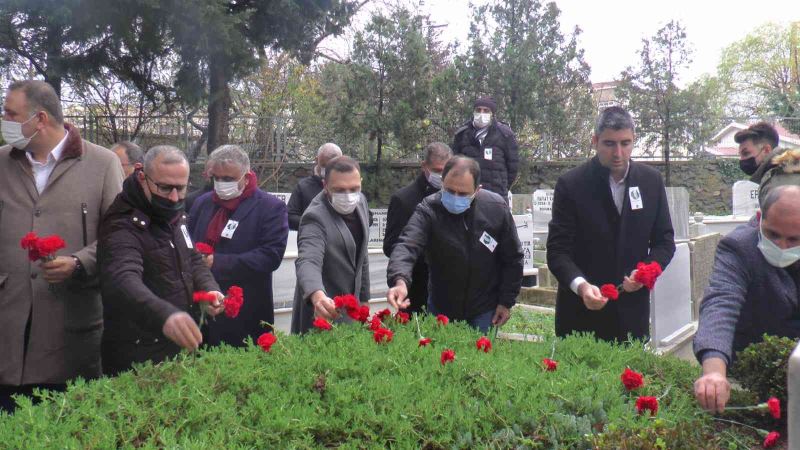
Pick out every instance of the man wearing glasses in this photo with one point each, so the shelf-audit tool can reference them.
(470, 243)
(149, 269)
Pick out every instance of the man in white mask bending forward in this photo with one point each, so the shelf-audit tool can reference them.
(753, 290)
(332, 247)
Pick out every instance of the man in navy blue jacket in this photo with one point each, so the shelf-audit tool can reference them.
(753, 290)
(609, 214)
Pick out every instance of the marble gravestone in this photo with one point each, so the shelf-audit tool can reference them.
(378, 228)
(542, 209)
(671, 299)
(524, 223)
(793, 409)
(745, 198)
(678, 202)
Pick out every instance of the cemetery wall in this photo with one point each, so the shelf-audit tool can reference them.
(709, 182)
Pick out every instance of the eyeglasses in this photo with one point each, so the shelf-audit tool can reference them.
(166, 189)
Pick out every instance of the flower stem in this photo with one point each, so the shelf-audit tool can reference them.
(758, 430)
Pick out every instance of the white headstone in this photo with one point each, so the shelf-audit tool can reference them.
(793, 408)
(678, 202)
(378, 229)
(745, 198)
(542, 209)
(671, 299)
(524, 224)
(283, 196)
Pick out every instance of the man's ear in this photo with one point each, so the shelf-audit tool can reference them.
(758, 216)
(138, 166)
(766, 148)
(594, 141)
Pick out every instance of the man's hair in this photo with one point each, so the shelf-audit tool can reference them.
(759, 133)
(132, 151)
(166, 154)
(613, 118)
(437, 152)
(774, 195)
(460, 165)
(41, 97)
(229, 154)
(341, 164)
(329, 150)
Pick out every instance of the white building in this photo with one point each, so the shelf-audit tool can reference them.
(722, 144)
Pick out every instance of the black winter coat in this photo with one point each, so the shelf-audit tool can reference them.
(401, 208)
(305, 191)
(498, 156)
(589, 238)
(147, 273)
(474, 258)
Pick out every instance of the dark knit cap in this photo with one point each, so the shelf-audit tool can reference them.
(486, 102)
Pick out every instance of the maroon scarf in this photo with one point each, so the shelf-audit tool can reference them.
(226, 207)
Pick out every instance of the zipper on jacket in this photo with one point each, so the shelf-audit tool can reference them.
(84, 213)
(465, 297)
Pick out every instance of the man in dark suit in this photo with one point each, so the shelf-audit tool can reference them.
(402, 206)
(492, 143)
(332, 245)
(308, 187)
(608, 214)
(753, 290)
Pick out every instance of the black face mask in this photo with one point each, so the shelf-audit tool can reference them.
(749, 165)
(164, 208)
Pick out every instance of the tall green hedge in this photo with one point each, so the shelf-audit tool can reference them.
(341, 389)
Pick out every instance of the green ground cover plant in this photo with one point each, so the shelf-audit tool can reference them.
(341, 389)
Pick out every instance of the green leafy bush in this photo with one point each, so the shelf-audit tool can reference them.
(761, 367)
(341, 389)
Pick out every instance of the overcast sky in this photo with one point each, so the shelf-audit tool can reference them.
(612, 29)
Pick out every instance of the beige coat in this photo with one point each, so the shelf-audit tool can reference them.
(64, 321)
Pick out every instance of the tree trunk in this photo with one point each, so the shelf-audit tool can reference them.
(666, 158)
(219, 103)
(54, 65)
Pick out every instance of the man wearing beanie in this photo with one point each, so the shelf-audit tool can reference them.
(492, 144)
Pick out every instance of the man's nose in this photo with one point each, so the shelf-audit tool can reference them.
(173, 195)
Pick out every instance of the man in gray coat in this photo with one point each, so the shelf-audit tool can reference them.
(51, 182)
(332, 246)
(753, 290)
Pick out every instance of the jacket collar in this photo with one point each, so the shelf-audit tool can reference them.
(73, 147)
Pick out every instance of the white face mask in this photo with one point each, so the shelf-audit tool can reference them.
(481, 120)
(12, 133)
(227, 190)
(775, 255)
(435, 180)
(345, 203)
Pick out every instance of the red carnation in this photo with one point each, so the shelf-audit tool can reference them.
(647, 403)
(349, 302)
(402, 317)
(322, 324)
(384, 314)
(483, 343)
(647, 274)
(631, 379)
(609, 291)
(774, 407)
(424, 341)
(550, 365)
(266, 340)
(442, 319)
(360, 314)
(234, 301)
(772, 439)
(48, 246)
(204, 297)
(447, 356)
(28, 243)
(203, 248)
(375, 323)
(382, 335)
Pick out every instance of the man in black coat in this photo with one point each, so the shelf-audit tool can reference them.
(402, 206)
(608, 214)
(492, 144)
(470, 242)
(308, 187)
(149, 269)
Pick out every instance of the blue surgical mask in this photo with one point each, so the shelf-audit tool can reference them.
(456, 204)
(775, 255)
